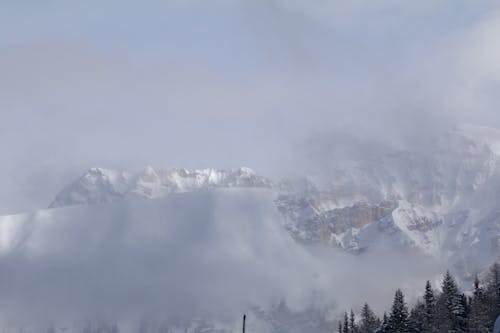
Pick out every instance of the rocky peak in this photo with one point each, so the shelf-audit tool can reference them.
(99, 185)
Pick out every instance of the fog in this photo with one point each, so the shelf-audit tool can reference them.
(230, 83)
(191, 256)
(280, 86)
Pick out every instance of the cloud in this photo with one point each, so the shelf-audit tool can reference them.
(189, 256)
(274, 85)
(231, 83)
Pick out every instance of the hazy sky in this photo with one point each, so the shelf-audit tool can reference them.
(225, 83)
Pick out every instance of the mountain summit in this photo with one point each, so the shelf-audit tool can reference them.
(99, 185)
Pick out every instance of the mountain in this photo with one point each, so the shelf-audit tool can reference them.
(441, 201)
(215, 243)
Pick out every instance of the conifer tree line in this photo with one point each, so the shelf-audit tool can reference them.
(447, 311)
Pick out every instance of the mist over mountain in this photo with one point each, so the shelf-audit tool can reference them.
(200, 247)
(197, 86)
(440, 202)
(170, 165)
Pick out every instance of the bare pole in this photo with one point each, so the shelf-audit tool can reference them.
(244, 320)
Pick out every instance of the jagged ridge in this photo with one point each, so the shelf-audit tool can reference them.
(99, 185)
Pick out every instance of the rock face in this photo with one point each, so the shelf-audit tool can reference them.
(310, 224)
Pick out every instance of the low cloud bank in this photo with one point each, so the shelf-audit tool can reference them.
(196, 255)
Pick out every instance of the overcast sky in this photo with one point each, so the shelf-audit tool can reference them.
(226, 83)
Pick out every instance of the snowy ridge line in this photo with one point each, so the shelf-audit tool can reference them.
(99, 185)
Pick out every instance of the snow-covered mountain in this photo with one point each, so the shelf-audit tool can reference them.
(442, 201)
(230, 229)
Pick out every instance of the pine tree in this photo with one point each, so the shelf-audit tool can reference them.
(479, 310)
(346, 323)
(378, 323)
(493, 294)
(465, 301)
(398, 319)
(369, 322)
(353, 328)
(416, 318)
(430, 309)
(340, 327)
(384, 324)
(452, 316)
